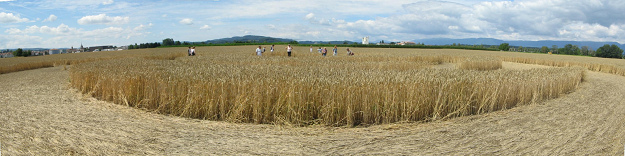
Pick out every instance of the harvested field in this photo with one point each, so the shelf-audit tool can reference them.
(48, 118)
(45, 118)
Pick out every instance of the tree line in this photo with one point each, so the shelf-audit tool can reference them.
(20, 52)
(606, 51)
(144, 45)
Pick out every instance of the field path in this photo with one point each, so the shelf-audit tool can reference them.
(40, 116)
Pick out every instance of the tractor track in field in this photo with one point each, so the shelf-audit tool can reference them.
(40, 115)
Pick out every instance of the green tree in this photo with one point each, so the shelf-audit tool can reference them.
(544, 49)
(17, 52)
(585, 51)
(576, 50)
(168, 42)
(567, 49)
(21, 52)
(608, 51)
(504, 46)
(554, 49)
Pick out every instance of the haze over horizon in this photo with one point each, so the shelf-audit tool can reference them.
(65, 23)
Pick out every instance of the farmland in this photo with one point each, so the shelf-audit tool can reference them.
(43, 117)
(378, 86)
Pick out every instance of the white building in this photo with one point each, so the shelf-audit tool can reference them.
(365, 40)
(54, 51)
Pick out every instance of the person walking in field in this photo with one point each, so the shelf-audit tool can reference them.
(319, 50)
(311, 49)
(289, 49)
(325, 51)
(192, 51)
(259, 52)
(271, 48)
(264, 49)
(335, 50)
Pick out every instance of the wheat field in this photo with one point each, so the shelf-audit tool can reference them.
(376, 86)
(15, 64)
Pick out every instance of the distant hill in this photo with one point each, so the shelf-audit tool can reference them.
(325, 42)
(431, 41)
(33, 49)
(491, 41)
(249, 39)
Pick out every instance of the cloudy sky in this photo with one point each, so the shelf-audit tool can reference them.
(66, 23)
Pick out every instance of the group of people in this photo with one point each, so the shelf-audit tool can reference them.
(324, 51)
(260, 51)
(289, 49)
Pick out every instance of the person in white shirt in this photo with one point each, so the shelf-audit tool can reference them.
(289, 49)
(311, 49)
(259, 52)
(192, 51)
(335, 50)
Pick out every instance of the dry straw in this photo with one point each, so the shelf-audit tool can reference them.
(481, 64)
(229, 84)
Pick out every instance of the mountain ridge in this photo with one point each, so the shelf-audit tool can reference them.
(429, 41)
(537, 44)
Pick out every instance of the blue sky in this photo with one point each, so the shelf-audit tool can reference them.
(66, 23)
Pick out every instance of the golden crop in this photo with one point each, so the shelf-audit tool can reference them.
(15, 64)
(481, 63)
(375, 86)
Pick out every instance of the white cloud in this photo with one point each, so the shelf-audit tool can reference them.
(51, 18)
(10, 18)
(103, 19)
(312, 19)
(110, 32)
(142, 27)
(62, 33)
(24, 41)
(513, 20)
(59, 30)
(596, 32)
(186, 21)
(335, 20)
(107, 2)
(205, 27)
(310, 16)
